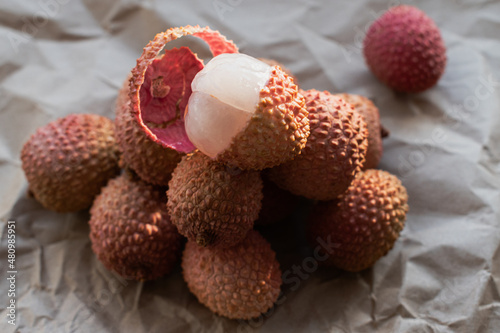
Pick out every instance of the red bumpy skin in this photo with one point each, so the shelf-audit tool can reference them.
(240, 282)
(404, 49)
(363, 225)
(130, 229)
(335, 150)
(371, 115)
(212, 204)
(69, 160)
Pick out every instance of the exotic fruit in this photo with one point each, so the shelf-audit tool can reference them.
(245, 113)
(69, 160)
(212, 204)
(334, 153)
(130, 229)
(404, 49)
(160, 86)
(371, 116)
(363, 225)
(240, 282)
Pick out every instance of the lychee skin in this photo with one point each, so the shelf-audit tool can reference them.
(405, 50)
(240, 282)
(212, 204)
(69, 160)
(363, 225)
(277, 131)
(130, 229)
(335, 150)
(272, 62)
(371, 115)
(150, 160)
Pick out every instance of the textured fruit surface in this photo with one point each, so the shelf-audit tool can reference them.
(334, 153)
(363, 225)
(150, 160)
(371, 116)
(272, 62)
(159, 89)
(69, 160)
(404, 49)
(240, 282)
(130, 229)
(212, 204)
(276, 132)
(277, 204)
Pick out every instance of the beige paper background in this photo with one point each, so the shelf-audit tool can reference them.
(443, 275)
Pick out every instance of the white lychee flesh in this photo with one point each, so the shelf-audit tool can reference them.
(225, 96)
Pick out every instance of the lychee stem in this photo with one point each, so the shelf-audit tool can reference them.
(158, 88)
(384, 132)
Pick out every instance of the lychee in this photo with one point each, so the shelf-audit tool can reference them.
(371, 116)
(160, 86)
(69, 160)
(334, 153)
(246, 113)
(212, 204)
(404, 49)
(363, 224)
(130, 229)
(240, 282)
(153, 162)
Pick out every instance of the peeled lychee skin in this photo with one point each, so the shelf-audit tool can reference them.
(131, 232)
(150, 160)
(69, 160)
(363, 224)
(371, 115)
(212, 204)
(405, 50)
(277, 131)
(240, 282)
(334, 153)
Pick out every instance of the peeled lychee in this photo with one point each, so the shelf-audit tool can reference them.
(371, 116)
(69, 160)
(245, 113)
(130, 229)
(334, 153)
(363, 225)
(212, 204)
(240, 282)
(404, 49)
(160, 86)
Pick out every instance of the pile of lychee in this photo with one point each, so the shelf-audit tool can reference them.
(206, 151)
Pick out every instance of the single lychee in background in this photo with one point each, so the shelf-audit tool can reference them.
(405, 50)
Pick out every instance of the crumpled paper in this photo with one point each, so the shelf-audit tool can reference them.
(61, 56)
